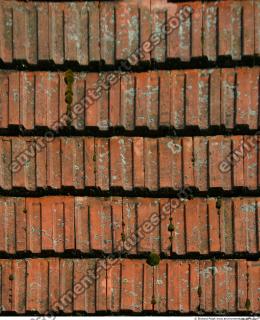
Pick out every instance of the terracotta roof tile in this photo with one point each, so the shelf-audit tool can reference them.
(204, 99)
(70, 31)
(155, 164)
(177, 285)
(62, 223)
(57, 229)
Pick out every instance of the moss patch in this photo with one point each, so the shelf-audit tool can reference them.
(153, 259)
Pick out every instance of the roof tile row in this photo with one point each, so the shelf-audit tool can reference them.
(108, 32)
(129, 285)
(130, 162)
(91, 31)
(108, 225)
(176, 99)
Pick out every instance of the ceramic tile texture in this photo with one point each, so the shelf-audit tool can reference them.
(40, 285)
(179, 99)
(164, 162)
(93, 224)
(84, 32)
(130, 163)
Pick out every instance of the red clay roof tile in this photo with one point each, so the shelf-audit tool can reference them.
(223, 98)
(154, 164)
(63, 223)
(70, 31)
(177, 285)
(91, 35)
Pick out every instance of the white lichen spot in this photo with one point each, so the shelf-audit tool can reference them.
(174, 147)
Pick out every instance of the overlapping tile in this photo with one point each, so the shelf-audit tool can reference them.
(183, 286)
(129, 163)
(204, 99)
(86, 35)
(68, 31)
(63, 223)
